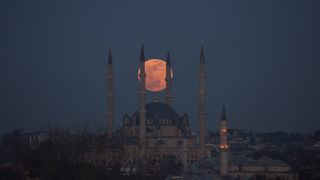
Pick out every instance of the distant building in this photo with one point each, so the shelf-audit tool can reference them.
(242, 168)
(37, 137)
(28, 138)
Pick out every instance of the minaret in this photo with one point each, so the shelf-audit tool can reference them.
(224, 147)
(110, 113)
(142, 100)
(168, 97)
(202, 111)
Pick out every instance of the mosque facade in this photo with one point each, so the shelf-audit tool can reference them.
(156, 130)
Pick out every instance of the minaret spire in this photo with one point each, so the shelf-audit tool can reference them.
(224, 147)
(223, 113)
(142, 58)
(202, 55)
(202, 112)
(110, 57)
(142, 100)
(168, 96)
(110, 96)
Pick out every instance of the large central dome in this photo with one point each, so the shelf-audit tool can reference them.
(157, 111)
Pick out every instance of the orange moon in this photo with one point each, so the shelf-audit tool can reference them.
(156, 74)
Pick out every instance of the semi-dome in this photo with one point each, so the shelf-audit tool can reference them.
(157, 111)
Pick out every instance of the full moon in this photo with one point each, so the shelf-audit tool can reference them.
(156, 74)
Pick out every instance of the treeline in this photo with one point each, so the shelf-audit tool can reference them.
(79, 156)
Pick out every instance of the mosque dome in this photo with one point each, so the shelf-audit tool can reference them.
(158, 113)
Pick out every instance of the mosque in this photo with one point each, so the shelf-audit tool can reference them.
(156, 131)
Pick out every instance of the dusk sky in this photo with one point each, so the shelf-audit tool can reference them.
(262, 60)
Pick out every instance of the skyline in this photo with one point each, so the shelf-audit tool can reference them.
(261, 61)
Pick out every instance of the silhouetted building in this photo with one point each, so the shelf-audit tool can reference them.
(156, 130)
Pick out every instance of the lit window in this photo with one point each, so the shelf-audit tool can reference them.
(224, 130)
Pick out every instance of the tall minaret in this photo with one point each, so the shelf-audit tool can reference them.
(202, 111)
(110, 113)
(168, 97)
(142, 100)
(223, 144)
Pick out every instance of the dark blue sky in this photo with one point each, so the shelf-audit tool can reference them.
(262, 60)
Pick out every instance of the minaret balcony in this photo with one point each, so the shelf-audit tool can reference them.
(224, 146)
(223, 130)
